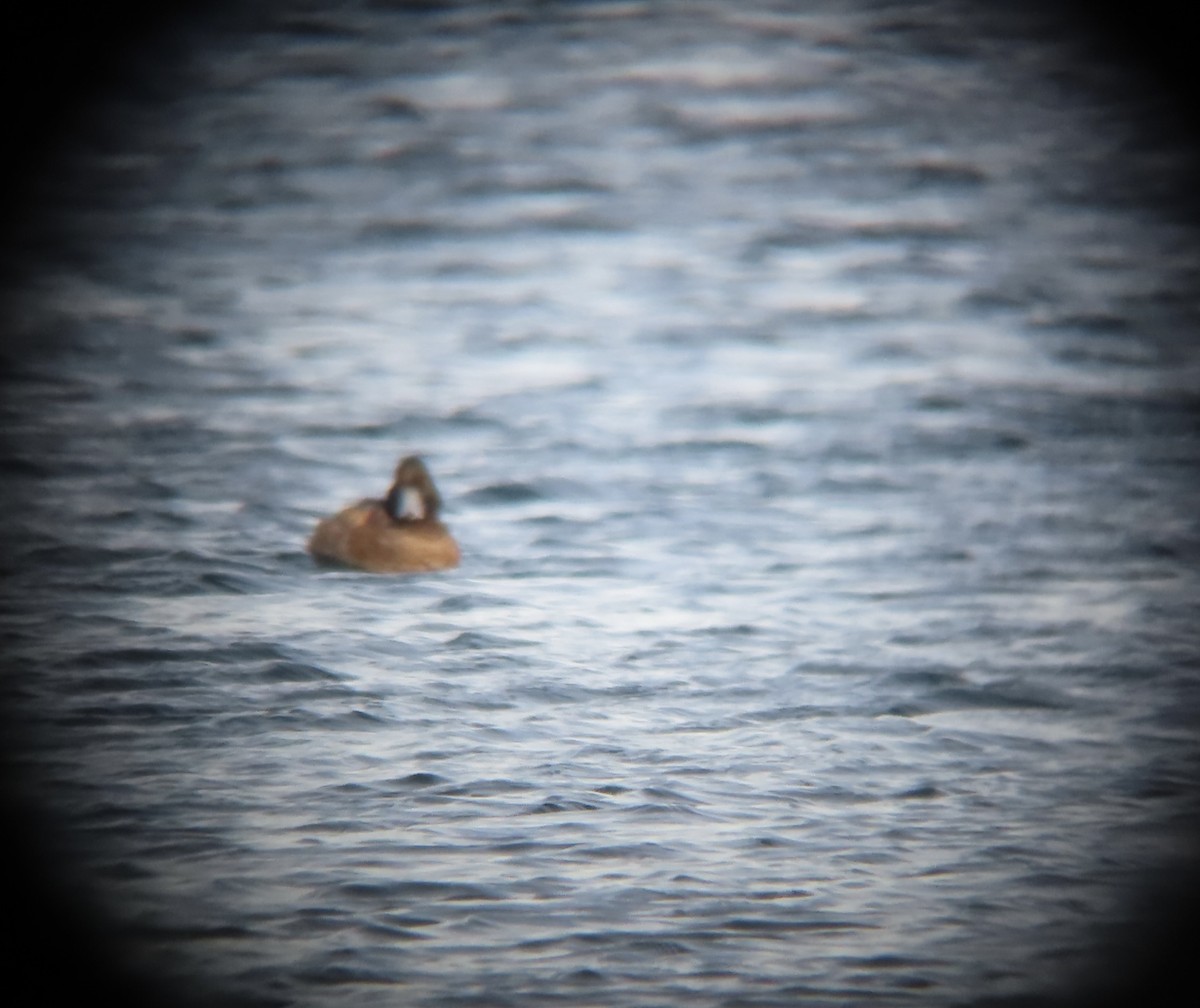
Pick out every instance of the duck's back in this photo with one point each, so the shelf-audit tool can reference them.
(365, 536)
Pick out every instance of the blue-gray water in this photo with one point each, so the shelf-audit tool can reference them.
(813, 390)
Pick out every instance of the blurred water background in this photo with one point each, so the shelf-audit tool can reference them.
(813, 391)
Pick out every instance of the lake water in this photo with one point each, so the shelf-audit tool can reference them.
(813, 391)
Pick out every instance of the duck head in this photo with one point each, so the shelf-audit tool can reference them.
(412, 496)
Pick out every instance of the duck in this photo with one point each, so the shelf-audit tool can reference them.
(397, 534)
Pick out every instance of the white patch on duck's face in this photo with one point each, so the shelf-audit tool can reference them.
(410, 504)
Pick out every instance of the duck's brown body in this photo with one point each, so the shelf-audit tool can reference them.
(396, 535)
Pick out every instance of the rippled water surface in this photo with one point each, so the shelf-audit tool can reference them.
(813, 393)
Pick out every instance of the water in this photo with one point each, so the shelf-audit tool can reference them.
(813, 395)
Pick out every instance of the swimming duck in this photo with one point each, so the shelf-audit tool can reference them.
(396, 535)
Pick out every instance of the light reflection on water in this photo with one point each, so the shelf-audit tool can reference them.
(811, 412)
